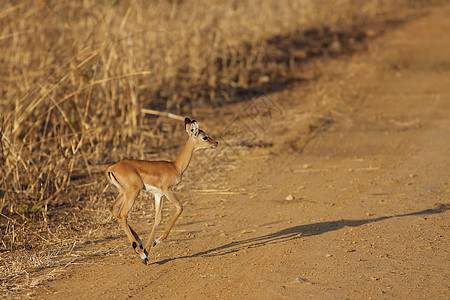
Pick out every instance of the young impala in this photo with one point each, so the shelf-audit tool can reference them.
(159, 178)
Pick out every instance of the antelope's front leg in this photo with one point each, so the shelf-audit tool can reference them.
(158, 217)
(179, 209)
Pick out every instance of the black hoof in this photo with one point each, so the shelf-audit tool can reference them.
(144, 261)
(154, 243)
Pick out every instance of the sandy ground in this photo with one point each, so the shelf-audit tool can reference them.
(343, 194)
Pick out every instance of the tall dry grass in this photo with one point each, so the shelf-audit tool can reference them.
(77, 76)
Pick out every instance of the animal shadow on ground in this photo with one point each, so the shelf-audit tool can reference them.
(296, 232)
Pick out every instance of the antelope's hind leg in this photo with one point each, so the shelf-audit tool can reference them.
(128, 201)
(118, 200)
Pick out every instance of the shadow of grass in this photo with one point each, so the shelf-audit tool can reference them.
(279, 59)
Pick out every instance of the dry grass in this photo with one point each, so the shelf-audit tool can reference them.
(78, 77)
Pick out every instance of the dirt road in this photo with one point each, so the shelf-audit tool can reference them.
(343, 195)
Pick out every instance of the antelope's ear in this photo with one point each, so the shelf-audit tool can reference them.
(187, 122)
(194, 129)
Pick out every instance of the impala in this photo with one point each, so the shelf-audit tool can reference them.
(159, 178)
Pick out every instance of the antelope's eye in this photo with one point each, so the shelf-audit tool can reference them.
(205, 137)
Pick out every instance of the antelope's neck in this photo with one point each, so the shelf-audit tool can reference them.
(184, 158)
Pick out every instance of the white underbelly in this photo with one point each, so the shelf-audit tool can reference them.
(154, 190)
